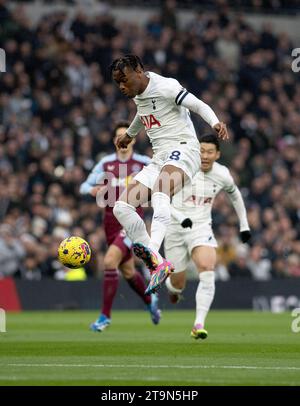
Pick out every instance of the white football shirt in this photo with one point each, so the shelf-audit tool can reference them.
(163, 110)
(195, 200)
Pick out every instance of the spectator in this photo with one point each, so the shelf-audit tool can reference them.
(168, 14)
(58, 107)
(240, 268)
(259, 266)
(12, 252)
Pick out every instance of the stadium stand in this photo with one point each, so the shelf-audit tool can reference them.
(58, 107)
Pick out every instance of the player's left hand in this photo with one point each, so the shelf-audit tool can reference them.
(187, 223)
(221, 130)
(245, 236)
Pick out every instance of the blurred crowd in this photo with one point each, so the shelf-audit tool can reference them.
(58, 107)
(252, 6)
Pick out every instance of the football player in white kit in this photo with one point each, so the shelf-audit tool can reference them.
(163, 110)
(190, 235)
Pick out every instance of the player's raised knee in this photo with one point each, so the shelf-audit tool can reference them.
(119, 209)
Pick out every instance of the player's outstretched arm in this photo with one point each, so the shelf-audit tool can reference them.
(206, 112)
(87, 186)
(91, 185)
(238, 203)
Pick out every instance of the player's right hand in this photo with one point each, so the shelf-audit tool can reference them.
(123, 141)
(187, 223)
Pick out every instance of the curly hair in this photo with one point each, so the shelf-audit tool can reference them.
(128, 60)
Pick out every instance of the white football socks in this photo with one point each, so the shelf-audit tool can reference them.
(204, 295)
(160, 220)
(131, 222)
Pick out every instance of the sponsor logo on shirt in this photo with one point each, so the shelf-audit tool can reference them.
(198, 201)
(150, 121)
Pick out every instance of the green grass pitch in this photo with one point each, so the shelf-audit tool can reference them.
(56, 348)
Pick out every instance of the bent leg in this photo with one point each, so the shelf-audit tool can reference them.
(137, 284)
(125, 212)
(135, 280)
(178, 280)
(175, 285)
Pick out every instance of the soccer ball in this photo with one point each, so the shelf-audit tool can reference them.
(74, 252)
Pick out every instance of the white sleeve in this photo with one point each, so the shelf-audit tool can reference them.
(197, 106)
(135, 127)
(237, 201)
(173, 90)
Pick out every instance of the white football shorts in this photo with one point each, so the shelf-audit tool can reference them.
(179, 242)
(185, 156)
